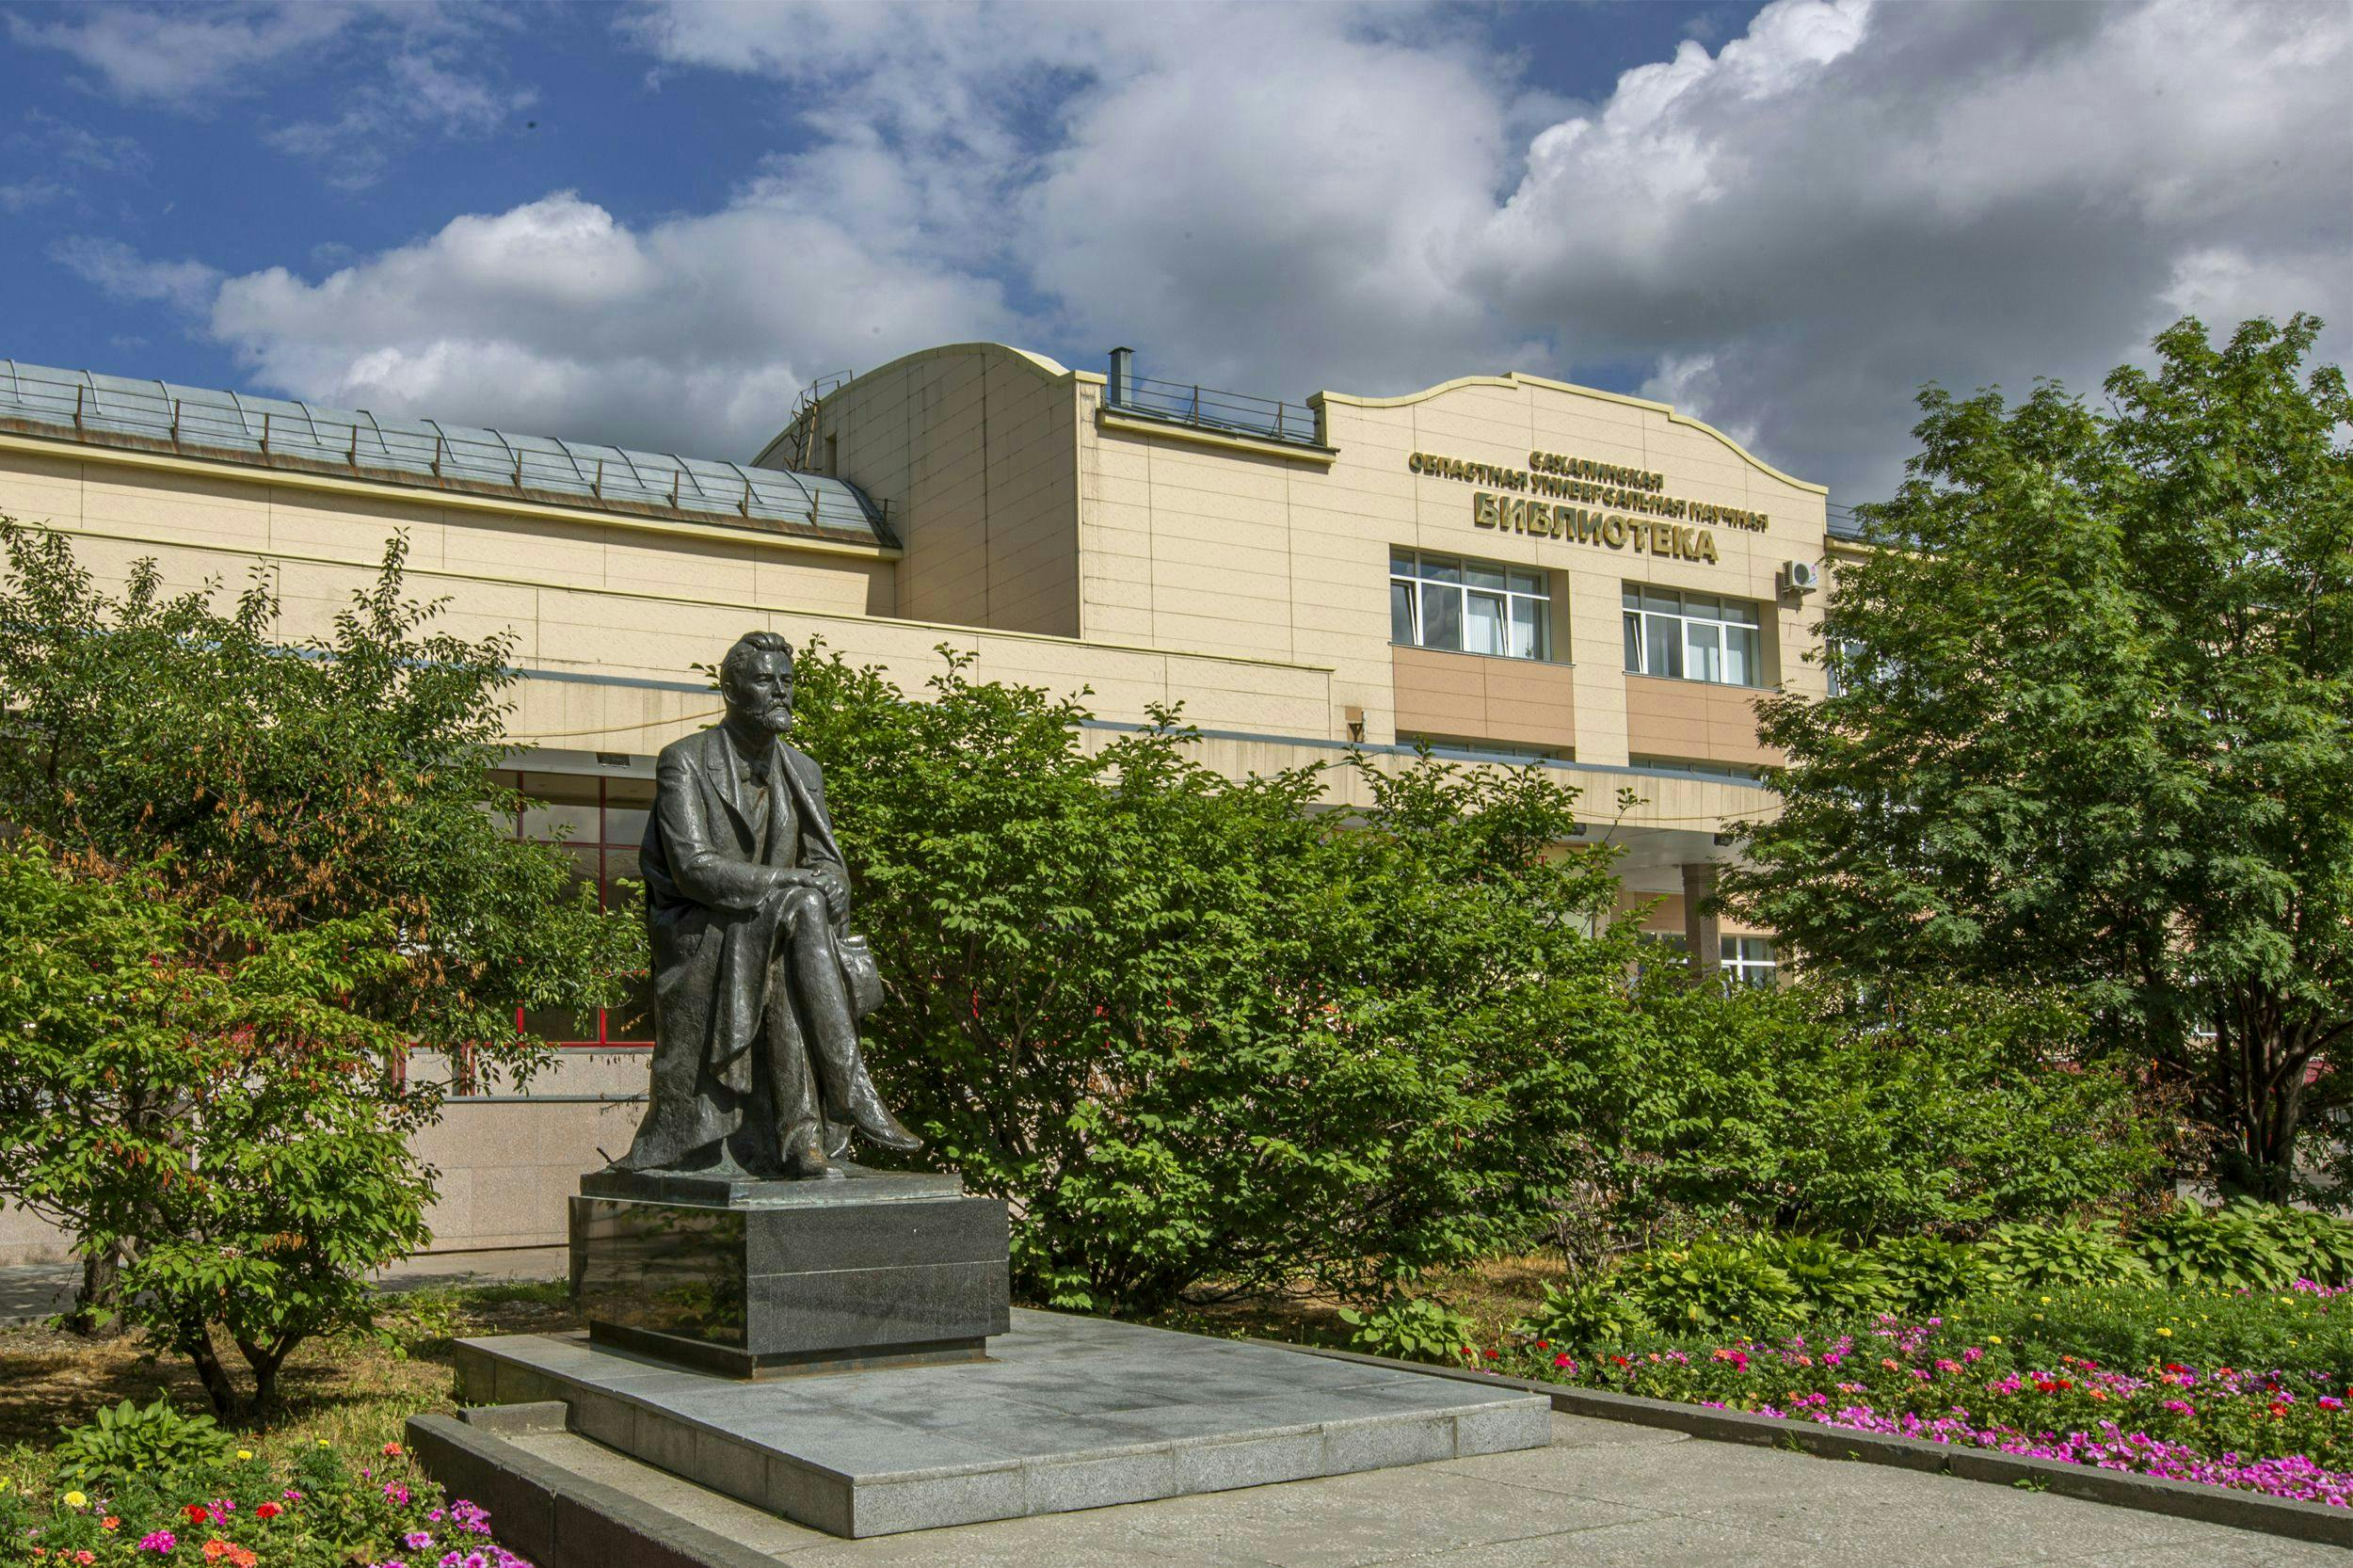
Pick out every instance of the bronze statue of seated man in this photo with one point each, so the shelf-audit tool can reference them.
(759, 985)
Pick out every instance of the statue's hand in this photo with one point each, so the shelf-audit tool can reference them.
(837, 890)
(825, 880)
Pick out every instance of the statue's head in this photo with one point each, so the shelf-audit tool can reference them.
(756, 678)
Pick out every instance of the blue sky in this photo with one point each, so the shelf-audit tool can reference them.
(653, 223)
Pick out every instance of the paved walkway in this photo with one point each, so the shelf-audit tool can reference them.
(1603, 1495)
(34, 1292)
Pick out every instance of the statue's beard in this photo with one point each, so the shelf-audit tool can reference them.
(776, 720)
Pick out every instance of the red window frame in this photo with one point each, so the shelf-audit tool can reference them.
(607, 815)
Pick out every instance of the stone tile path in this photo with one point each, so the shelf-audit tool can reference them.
(1603, 1495)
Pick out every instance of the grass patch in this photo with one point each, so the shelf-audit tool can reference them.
(352, 1390)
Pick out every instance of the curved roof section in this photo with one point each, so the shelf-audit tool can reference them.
(1521, 379)
(271, 432)
(1045, 368)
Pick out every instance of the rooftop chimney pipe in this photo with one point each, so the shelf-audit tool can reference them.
(1123, 375)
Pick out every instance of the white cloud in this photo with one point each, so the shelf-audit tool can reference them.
(121, 274)
(77, 147)
(691, 334)
(172, 56)
(21, 195)
(407, 71)
(1785, 235)
(419, 95)
(1852, 199)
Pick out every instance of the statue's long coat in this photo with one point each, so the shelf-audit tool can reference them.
(712, 939)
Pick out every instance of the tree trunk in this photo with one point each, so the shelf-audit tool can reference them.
(98, 1304)
(2259, 1067)
(218, 1390)
(265, 1360)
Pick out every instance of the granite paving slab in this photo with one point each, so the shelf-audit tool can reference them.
(1067, 1413)
(1524, 1510)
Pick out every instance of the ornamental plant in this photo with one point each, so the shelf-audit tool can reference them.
(1205, 1038)
(193, 1092)
(315, 1507)
(316, 764)
(2246, 1390)
(2227, 1246)
(2031, 1255)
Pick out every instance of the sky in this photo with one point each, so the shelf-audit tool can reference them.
(653, 223)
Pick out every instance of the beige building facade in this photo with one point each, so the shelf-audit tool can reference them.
(1507, 569)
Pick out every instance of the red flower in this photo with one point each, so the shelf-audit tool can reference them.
(197, 1513)
(267, 1510)
(1489, 1354)
(392, 1450)
(1618, 1360)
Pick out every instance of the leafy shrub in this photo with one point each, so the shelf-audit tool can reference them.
(2028, 1254)
(1929, 1111)
(1927, 1273)
(1413, 1328)
(1596, 1310)
(1828, 1278)
(1711, 1285)
(128, 1438)
(2316, 1247)
(190, 1087)
(1204, 1037)
(2227, 1247)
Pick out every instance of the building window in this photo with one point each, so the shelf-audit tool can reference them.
(1748, 960)
(599, 821)
(1693, 636)
(1695, 767)
(1469, 606)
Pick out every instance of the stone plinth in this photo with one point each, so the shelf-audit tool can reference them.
(1066, 1413)
(754, 1278)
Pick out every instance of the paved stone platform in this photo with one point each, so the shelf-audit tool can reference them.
(1602, 1495)
(1068, 1413)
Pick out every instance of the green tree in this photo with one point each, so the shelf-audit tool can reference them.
(1937, 1108)
(2090, 731)
(190, 1090)
(338, 777)
(1206, 1037)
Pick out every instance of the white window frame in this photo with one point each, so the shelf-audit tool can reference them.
(1748, 960)
(1714, 629)
(1527, 586)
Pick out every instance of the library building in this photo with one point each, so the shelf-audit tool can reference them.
(1505, 568)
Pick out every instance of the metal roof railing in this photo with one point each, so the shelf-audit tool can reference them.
(286, 433)
(1207, 409)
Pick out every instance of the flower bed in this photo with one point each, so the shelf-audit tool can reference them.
(317, 1512)
(2279, 1427)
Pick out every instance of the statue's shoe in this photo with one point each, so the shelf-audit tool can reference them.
(879, 1128)
(806, 1161)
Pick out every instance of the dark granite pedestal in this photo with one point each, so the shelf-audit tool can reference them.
(756, 1278)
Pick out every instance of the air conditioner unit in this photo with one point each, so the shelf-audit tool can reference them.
(1801, 577)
